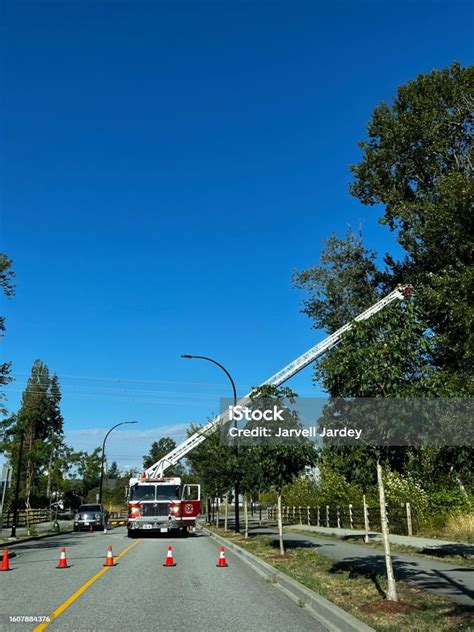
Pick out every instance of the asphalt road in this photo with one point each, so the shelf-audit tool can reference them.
(139, 593)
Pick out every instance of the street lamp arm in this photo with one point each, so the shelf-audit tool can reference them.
(101, 483)
(113, 428)
(198, 357)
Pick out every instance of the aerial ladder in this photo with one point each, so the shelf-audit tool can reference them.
(157, 470)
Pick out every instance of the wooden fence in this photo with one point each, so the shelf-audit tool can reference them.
(25, 517)
(365, 517)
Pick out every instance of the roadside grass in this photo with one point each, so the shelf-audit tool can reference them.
(460, 527)
(395, 548)
(359, 594)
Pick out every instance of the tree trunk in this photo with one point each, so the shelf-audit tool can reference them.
(280, 524)
(392, 587)
(246, 517)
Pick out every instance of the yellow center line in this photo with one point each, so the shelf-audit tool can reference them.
(65, 605)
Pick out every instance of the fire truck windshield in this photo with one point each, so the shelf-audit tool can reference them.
(168, 492)
(155, 492)
(142, 492)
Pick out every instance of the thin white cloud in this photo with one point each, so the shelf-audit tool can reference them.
(127, 447)
(151, 433)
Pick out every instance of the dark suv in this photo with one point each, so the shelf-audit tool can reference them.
(90, 517)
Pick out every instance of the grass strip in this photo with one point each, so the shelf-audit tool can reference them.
(359, 594)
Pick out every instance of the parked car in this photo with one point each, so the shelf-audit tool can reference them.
(90, 517)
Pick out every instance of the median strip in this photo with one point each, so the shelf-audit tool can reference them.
(65, 605)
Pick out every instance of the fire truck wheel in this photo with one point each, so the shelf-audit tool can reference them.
(183, 532)
(130, 533)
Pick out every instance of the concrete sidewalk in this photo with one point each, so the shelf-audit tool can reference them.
(38, 529)
(438, 546)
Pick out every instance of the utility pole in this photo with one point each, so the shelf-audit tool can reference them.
(16, 500)
(6, 475)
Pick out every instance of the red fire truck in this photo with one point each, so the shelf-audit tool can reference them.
(162, 505)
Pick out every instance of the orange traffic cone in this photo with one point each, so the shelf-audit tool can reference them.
(221, 562)
(109, 560)
(62, 559)
(169, 561)
(5, 561)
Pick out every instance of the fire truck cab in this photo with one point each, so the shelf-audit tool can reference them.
(161, 506)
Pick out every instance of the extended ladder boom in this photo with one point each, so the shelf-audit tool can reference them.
(158, 468)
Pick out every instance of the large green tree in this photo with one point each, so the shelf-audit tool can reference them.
(418, 163)
(386, 350)
(39, 421)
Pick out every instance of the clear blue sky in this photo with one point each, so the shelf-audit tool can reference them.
(167, 165)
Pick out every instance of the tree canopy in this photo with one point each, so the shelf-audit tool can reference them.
(418, 163)
(158, 450)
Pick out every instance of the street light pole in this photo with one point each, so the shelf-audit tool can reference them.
(234, 391)
(122, 423)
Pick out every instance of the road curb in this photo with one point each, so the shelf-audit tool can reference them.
(333, 618)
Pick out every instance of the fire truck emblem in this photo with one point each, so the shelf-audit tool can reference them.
(188, 508)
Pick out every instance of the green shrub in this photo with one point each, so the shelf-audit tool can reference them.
(331, 489)
(302, 492)
(401, 489)
(448, 501)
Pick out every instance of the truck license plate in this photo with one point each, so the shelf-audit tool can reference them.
(164, 530)
(86, 524)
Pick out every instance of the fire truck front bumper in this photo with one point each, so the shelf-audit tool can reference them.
(157, 525)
